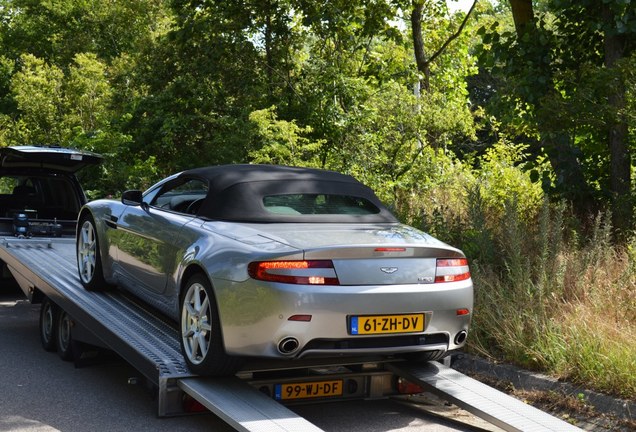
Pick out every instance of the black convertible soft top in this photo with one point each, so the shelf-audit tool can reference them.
(236, 193)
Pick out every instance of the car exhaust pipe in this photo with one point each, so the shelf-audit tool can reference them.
(461, 337)
(288, 345)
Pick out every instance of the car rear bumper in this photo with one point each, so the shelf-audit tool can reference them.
(317, 318)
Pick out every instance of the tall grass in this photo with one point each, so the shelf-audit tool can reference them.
(553, 293)
(549, 296)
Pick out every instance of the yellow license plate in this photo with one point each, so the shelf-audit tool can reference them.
(386, 324)
(314, 389)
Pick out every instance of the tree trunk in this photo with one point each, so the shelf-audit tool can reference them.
(620, 157)
(418, 45)
(268, 49)
(522, 13)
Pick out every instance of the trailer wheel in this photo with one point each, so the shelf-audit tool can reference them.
(201, 339)
(48, 324)
(89, 262)
(64, 336)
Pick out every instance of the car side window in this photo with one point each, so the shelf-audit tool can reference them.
(183, 196)
(7, 184)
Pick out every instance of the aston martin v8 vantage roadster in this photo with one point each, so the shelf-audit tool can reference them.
(277, 262)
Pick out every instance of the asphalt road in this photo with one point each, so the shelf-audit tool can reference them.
(39, 392)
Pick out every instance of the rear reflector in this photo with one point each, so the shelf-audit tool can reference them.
(303, 318)
(191, 405)
(407, 387)
(452, 270)
(315, 272)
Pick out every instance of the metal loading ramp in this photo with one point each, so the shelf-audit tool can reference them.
(495, 407)
(243, 407)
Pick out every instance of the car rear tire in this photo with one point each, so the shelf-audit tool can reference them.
(64, 336)
(48, 324)
(201, 339)
(89, 260)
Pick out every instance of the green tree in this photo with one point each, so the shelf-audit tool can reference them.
(282, 142)
(57, 30)
(556, 77)
(598, 37)
(38, 92)
(88, 95)
(422, 60)
(203, 78)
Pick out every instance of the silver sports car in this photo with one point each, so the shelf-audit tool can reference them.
(277, 262)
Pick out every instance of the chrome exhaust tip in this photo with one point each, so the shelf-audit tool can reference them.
(288, 345)
(461, 337)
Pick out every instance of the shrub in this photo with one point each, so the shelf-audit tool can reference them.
(548, 296)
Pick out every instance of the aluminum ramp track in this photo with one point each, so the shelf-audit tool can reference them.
(148, 343)
(243, 407)
(495, 407)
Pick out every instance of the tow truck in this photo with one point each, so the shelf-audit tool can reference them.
(74, 321)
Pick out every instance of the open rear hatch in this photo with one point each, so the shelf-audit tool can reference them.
(51, 158)
(39, 193)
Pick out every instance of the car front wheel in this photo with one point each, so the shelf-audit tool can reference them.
(201, 340)
(89, 262)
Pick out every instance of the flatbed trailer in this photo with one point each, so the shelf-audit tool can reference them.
(254, 399)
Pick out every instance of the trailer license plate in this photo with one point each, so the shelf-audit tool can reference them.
(314, 389)
(385, 324)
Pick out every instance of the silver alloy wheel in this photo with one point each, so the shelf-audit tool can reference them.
(195, 323)
(87, 251)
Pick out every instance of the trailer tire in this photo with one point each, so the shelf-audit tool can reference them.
(89, 260)
(200, 327)
(64, 336)
(49, 313)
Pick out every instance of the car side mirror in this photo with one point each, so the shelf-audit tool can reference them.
(132, 197)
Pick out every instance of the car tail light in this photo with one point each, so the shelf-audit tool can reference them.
(315, 272)
(452, 270)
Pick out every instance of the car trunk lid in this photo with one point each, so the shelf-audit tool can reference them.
(370, 255)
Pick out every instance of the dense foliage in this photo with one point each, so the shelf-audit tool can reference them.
(161, 85)
(522, 111)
